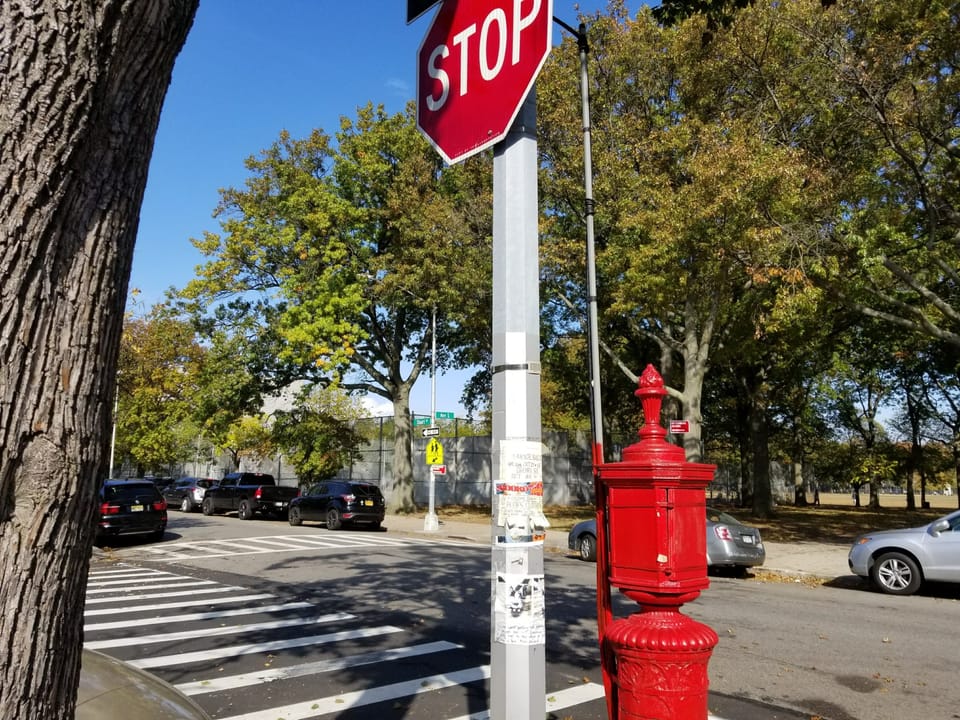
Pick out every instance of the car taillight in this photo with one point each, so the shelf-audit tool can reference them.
(348, 498)
(159, 505)
(108, 509)
(258, 493)
(722, 532)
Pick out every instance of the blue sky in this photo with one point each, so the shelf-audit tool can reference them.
(250, 69)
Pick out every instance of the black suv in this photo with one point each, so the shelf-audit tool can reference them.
(337, 503)
(131, 507)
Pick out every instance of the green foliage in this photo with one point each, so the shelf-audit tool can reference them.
(319, 435)
(158, 375)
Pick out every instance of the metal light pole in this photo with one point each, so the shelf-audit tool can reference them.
(517, 655)
(113, 433)
(596, 415)
(431, 523)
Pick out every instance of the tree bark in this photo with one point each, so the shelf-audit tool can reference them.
(81, 87)
(401, 499)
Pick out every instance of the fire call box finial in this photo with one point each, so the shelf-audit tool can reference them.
(652, 434)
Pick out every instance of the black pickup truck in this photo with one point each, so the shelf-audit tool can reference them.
(248, 493)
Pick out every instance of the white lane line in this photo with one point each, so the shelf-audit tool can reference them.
(229, 652)
(192, 617)
(153, 577)
(556, 701)
(157, 596)
(184, 582)
(358, 698)
(215, 631)
(234, 682)
(172, 605)
(121, 571)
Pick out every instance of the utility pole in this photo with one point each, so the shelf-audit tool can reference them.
(517, 654)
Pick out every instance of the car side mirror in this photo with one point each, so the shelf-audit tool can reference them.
(939, 526)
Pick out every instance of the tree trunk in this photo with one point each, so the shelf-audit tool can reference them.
(81, 86)
(401, 498)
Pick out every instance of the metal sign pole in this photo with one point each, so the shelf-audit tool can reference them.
(431, 523)
(518, 656)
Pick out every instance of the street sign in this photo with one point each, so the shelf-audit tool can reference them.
(678, 427)
(443, 415)
(438, 469)
(416, 8)
(434, 452)
(475, 66)
(420, 421)
(431, 432)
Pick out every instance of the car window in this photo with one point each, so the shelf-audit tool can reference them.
(721, 517)
(128, 493)
(204, 483)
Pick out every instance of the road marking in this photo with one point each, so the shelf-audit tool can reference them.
(153, 577)
(165, 660)
(192, 617)
(157, 596)
(234, 682)
(556, 701)
(172, 605)
(182, 582)
(358, 698)
(282, 543)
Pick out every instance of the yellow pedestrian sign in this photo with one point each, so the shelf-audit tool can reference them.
(434, 452)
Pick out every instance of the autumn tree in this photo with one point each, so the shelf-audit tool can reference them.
(81, 86)
(334, 257)
(158, 372)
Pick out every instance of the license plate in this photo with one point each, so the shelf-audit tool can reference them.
(136, 508)
(279, 504)
(748, 539)
(368, 503)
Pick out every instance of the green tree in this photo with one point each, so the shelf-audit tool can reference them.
(337, 252)
(320, 434)
(81, 87)
(158, 369)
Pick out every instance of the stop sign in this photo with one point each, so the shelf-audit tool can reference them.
(475, 66)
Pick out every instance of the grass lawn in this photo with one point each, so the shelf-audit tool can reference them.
(834, 521)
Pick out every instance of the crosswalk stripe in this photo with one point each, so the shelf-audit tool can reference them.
(184, 582)
(157, 596)
(125, 571)
(215, 631)
(192, 617)
(555, 701)
(270, 646)
(234, 682)
(369, 696)
(172, 605)
(154, 577)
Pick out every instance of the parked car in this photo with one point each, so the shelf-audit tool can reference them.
(248, 493)
(339, 503)
(162, 483)
(131, 507)
(899, 561)
(187, 493)
(730, 543)
(113, 690)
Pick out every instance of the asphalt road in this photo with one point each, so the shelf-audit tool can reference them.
(419, 621)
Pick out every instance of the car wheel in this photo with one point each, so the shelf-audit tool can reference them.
(245, 511)
(186, 505)
(334, 521)
(896, 574)
(294, 517)
(207, 506)
(587, 547)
